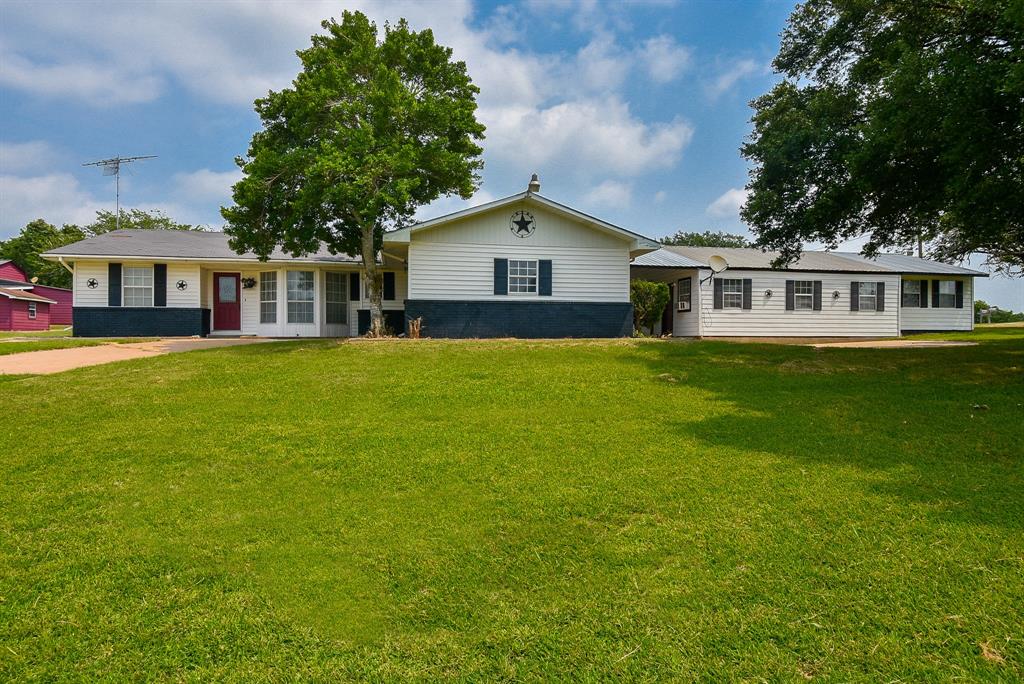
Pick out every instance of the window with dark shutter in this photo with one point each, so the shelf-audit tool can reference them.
(113, 284)
(719, 293)
(748, 293)
(159, 284)
(935, 294)
(544, 278)
(817, 295)
(501, 276)
(879, 296)
(924, 293)
(854, 295)
(790, 295)
(353, 287)
(959, 294)
(389, 286)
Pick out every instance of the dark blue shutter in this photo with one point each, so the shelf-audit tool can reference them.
(854, 296)
(389, 286)
(935, 294)
(924, 294)
(353, 287)
(544, 278)
(790, 295)
(817, 295)
(719, 294)
(159, 284)
(748, 293)
(879, 296)
(501, 276)
(959, 294)
(113, 284)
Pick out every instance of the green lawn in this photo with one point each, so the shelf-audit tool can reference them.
(58, 343)
(54, 331)
(518, 510)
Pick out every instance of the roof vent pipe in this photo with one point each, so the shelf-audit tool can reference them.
(534, 185)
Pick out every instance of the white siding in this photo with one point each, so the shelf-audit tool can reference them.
(189, 298)
(81, 294)
(456, 261)
(768, 317)
(466, 271)
(916, 318)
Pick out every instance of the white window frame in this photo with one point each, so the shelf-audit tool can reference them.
(32, 310)
(524, 282)
(873, 296)
(684, 300)
(133, 273)
(268, 315)
(949, 303)
(342, 293)
(293, 313)
(803, 301)
(732, 291)
(905, 294)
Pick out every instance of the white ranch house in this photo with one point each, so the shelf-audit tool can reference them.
(522, 266)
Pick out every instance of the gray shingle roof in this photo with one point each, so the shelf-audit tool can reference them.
(673, 256)
(178, 244)
(904, 263)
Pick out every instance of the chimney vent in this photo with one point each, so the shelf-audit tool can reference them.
(534, 185)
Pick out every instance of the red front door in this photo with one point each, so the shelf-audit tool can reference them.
(227, 310)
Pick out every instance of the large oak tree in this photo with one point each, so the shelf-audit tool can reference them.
(898, 120)
(372, 128)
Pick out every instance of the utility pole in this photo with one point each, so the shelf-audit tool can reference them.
(112, 167)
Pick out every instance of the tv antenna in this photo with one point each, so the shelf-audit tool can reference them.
(112, 167)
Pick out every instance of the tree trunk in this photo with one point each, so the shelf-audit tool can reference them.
(372, 284)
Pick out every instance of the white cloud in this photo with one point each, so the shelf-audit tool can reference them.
(33, 155)
(206, 185)
(610, 194)
(97, 84)
(732, 75)
(728, 204)
(665, 58)
(55, 197)
(660, 196)
(585, 138)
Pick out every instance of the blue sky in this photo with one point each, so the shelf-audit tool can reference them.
(630, 111)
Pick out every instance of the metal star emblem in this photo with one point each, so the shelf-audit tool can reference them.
(522, 224)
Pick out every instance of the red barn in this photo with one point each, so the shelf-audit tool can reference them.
(57, 300)
(23, 310)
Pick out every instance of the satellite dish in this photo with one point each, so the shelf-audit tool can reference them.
(718, 264)
(35, 279)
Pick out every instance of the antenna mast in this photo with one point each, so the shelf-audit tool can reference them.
(112, 167)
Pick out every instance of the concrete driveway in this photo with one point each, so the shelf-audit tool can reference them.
(59, 360)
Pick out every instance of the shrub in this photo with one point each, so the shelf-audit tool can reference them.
(649, 301)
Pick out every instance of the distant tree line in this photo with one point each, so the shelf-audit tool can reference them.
(38, 237)
(708, 238)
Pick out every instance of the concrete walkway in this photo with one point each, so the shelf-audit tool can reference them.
(897, 344)
(59, 360)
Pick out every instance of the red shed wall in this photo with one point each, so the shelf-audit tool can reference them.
(60, 313)
(10, 271)
(19, 319)
(5, 313)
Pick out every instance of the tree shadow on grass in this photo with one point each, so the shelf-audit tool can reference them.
(941, 428)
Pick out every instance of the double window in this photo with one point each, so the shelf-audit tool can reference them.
(268, 297)
(732, 293)
(947, 294)
(867, 294)
(137, 286)
(911, 293)
(522, 276)
(683, 294)
(31, 309)
(300, 296)
(803, 295)
(337, 298)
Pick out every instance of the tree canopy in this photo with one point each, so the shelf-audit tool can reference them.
(896, 120)
(708, 238)
(371, 129)
(38, 236)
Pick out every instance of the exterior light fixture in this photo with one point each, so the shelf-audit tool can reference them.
(768, 294)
